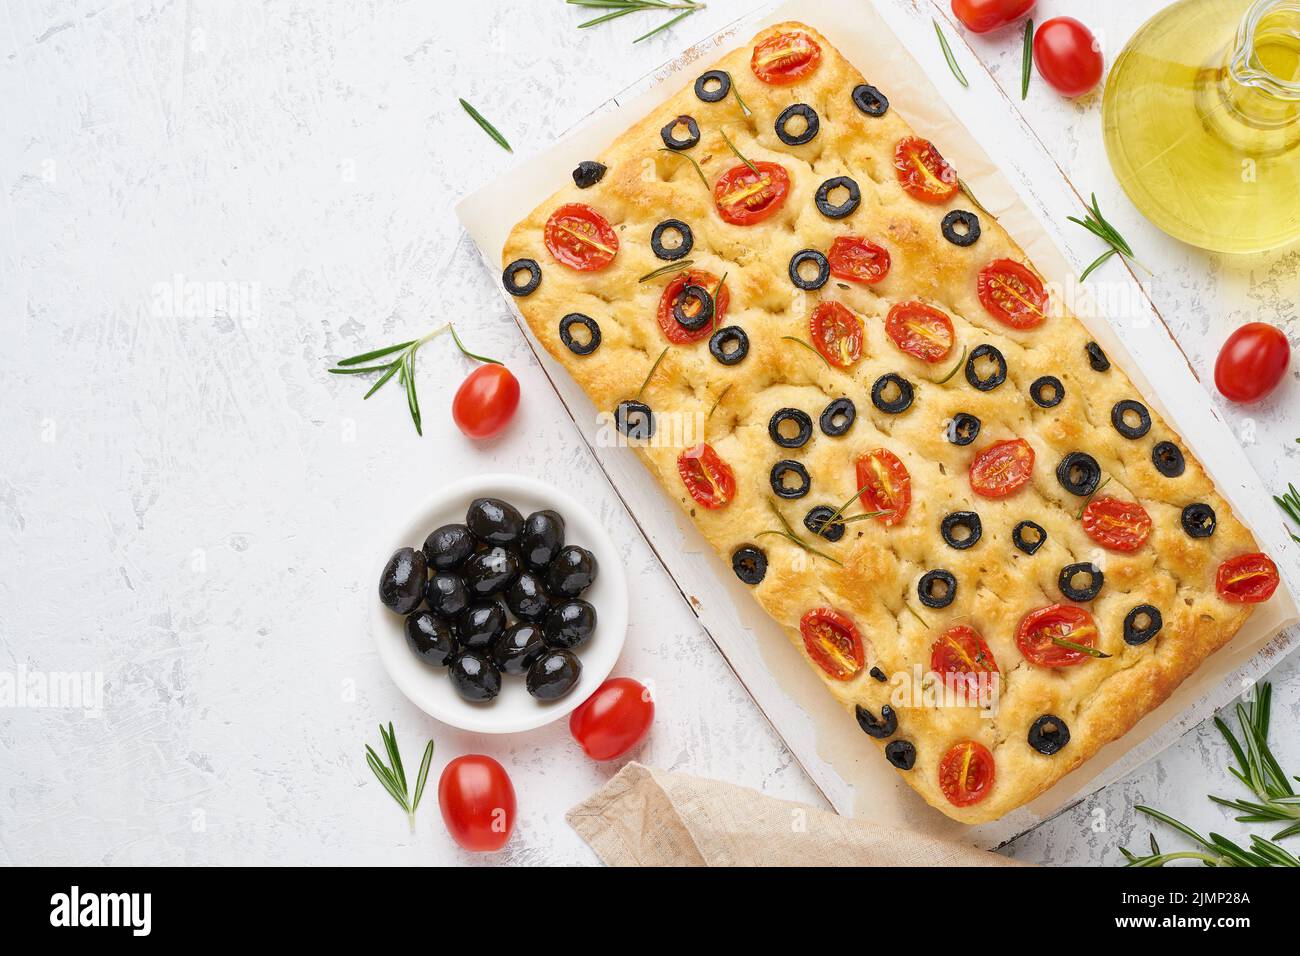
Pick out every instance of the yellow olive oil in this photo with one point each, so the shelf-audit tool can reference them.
(1202, 122)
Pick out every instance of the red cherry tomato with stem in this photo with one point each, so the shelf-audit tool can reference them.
(477, 801)
(485, 401)
(1068, 56)
(613, 720)
(1252, 362)
(981, 16)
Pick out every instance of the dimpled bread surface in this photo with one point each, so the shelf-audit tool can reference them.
(875, 583)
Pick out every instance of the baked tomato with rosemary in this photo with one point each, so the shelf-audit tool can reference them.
(1115, 524)
(833, 642)
(837, 334)
(783, 58)
(961, 650)
(748, 194)
(1002, 469)
(708, 479)
(920, 330)
(1012, 294)
(923, 173)
(886, 485)
(855, 259)
(1052, 636)
(673, 330)
(1247, 579)
(966, 773)
(580, 238)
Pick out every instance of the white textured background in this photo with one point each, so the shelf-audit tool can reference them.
(189, 504)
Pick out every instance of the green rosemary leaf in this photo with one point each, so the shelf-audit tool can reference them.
(385, 781)
(359, 369)
(664, 26)
(1097, 262)
(422, 777)
(379, 382)
(412, 402)
(607, 16)
(956, 368)
(947, 55)
(736, 93)
(478, 358)
(795, 539)
(798, 341)
(666, 270)
(377, 353)
(650, 374)
(739, 154)
(487, 127)
(691, 159)
(717, 290)
(394, 757)
(1027, 58)
(718, 401)
(1081, 648)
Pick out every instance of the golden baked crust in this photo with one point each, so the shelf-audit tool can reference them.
(876, 580)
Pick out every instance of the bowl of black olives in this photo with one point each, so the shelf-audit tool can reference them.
(503, 606)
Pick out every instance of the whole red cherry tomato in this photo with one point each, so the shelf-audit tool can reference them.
(981, 16)
(477, 801)
(1252, 362)
(1068, 56)
(614, 719)
(485, 401)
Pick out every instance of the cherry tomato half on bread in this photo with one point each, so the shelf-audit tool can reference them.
(1115, 524)
(855, 259)
(966, 773)
(580, 238)
(837, 334)
(613, 720)
(923, 173)
(1040, 630)
(744, 197)
(477, 801)
(783, 58)
(886, 485)
(673, 330)
(1247, 579)
(1012, 294)
(981, 16)
(1068, 56)
(961, 650)
(1002, 468)
(485, 401)
(1252, 362)
(833, 642)
(920, 330)
(708, 479)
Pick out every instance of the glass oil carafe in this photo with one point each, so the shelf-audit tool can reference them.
(1202, 122)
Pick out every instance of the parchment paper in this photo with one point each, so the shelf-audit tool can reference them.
(1027, 192)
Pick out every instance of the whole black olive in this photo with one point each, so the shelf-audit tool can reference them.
(572, 572)
(489, 571)
(447, 547)
(474, 676)
(588, 173)
(570, 624)
(517, 648)
(446, 595)
(526, 597)
(542, 539)
(1096, 357)
(430, 637)
(479, 625)
(494, 521)
(401, 586)
(553, 675)
(901, 753)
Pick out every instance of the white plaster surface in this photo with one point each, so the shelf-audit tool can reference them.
(190, 505)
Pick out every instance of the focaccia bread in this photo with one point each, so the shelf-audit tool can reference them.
(880, 340)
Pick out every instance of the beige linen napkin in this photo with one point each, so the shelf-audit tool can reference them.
(648, 817)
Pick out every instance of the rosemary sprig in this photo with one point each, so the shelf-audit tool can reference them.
(699, 172)
(956, 368)
(666, 270)
(393, 776)
(403, 366)
(487, 127)
(1078, 515)
(744, 108)
(1081, 648)
(650, 374)
(835, 515)
(947, 55)
(1259, 770)
(800, 342)
(718, 401)
(717, 290)
(788, 533)
(1027, 58)
(621, 8)
(739, 154)
(1289, 502)
(1217, 850)
(1096, 224)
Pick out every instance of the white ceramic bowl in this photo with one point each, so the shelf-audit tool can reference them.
(514, 709)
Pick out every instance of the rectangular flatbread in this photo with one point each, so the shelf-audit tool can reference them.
(1019, 524)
